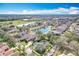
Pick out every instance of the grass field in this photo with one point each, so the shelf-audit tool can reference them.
(19, 22)
(16, 22)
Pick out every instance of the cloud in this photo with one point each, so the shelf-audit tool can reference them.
(71, 10)
(74, 10)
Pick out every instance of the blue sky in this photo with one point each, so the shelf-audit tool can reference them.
(39, 8)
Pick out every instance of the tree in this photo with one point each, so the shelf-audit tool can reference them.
(21, 50)
(53, 39)
(7, 38)
(75, 46)
(40, 50)
(71, 36)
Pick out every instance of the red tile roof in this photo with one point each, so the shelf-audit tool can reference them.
(6, 51)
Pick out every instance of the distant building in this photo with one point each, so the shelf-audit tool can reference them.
(75, 28)
(26, 35)
(25, 19)
(60, 29)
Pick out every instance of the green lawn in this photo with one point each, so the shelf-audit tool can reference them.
(1, 39)
(19, 22)
(16, 22)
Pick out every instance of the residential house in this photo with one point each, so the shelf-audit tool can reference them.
(6, 51)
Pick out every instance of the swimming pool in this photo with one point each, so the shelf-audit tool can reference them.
(44, 30)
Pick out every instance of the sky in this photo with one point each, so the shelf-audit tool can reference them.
(39, 8)
(39, 1)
